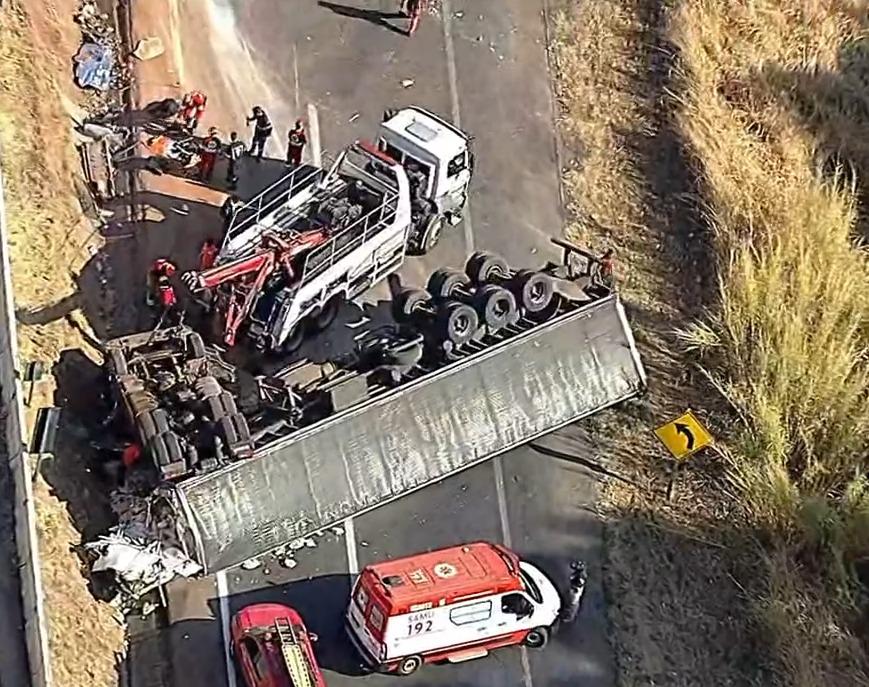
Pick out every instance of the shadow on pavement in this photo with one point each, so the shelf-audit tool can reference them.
(377, 17)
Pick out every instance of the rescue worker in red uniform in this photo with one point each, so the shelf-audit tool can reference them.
(296, 141)
(208, 152)
(208, 255)
(161, 268)
(192, 109)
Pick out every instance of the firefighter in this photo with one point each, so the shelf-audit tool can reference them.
(262, 129)
(192, 109)
(166, 297)
(208, 152)
(296, 141)
(234, 150)
(208, 254)
(160, 268)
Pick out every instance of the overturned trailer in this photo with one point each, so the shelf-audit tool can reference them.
(312, 454)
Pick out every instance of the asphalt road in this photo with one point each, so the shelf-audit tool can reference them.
(483, 65)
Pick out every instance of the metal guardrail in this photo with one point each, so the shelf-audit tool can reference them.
(35, 625)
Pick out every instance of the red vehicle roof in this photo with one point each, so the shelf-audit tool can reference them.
(443, 576)
(260, 619)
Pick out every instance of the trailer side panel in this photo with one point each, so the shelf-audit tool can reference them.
(368, 455)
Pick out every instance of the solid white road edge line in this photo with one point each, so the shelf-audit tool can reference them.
(501, 493)
(350, 543)
(223, 597)
(447, 23)
(314, 131)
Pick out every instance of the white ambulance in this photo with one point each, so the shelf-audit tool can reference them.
(452, 605)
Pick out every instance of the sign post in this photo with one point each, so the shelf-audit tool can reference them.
(683, 437)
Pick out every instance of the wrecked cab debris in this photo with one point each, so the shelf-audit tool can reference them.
(481, 362)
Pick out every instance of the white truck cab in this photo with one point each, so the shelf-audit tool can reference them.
(439, 154)
(452, 605)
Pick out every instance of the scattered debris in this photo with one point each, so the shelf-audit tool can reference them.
(94, 65)
(148, 48)
(251, 564)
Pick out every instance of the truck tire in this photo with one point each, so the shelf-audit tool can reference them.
(235, 432)
(431, 234)
(444, 282)
(196, 345)
(153, 422)
(483, 267)
(118, 362)
(409, 665)
(207, 386)
(228, 403)
(141, 402)
(327, 314)
(406, 304)
(533, 291)
(495, 305)
(166, 450)
(456, 322)
(294, 339)
(537, 638)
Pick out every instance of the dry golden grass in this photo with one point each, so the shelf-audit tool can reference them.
(772, 105)
(46, 227)
(787, 343)
(47, 236)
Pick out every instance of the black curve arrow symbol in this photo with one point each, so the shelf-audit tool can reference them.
(689, 435)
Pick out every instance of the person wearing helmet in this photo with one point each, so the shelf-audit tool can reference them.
(296, 141)
(192, 109)
(262, 129)
(209, 149)
(161, 270)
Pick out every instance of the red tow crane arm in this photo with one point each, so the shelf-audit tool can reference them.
(246, 277)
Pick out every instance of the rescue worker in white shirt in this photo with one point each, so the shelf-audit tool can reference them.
(234, 151)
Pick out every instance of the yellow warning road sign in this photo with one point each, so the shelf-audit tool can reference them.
(684, 436)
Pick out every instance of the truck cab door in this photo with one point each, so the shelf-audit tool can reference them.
(458, 178)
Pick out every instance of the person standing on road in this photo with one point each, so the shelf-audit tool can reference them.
(207, 255)
(296, 141)
(229, 209)
(160, 268)
(262, 129)
(192, 109)
(234, 151)
(208, 152)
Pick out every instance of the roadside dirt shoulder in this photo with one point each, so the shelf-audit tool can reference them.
(677, 613)
(51, 242)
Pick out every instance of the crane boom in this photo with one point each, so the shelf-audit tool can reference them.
(241, 282)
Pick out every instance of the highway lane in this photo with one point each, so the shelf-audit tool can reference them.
(485, 62)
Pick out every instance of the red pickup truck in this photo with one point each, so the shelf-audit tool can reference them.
(273, 648)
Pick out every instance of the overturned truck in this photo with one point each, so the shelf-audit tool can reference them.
(478, 363)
